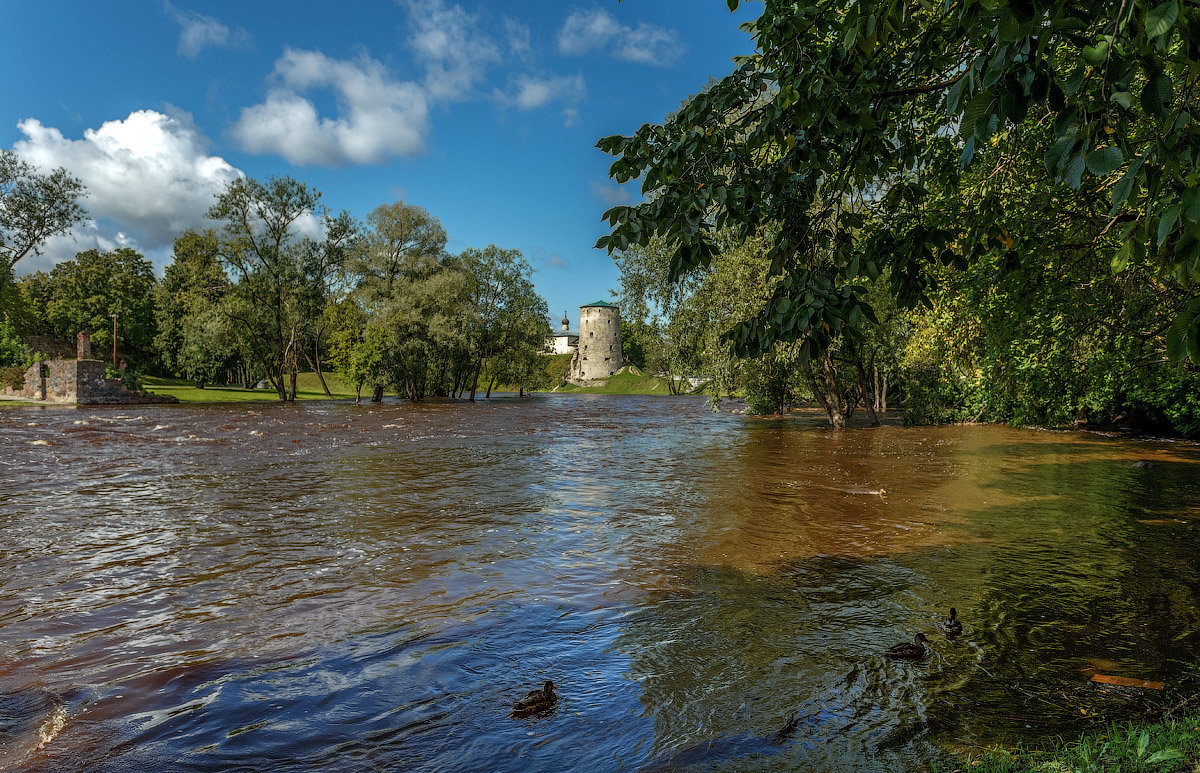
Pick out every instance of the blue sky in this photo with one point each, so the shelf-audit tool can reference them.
(486, 114)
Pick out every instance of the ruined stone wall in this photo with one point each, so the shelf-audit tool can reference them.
(35, 384)
(69, 381)
(598, 354)
(81, 382)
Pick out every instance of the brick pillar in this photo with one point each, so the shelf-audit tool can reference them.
(83, 346)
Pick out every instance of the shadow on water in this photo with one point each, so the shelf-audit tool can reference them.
(1052, 591)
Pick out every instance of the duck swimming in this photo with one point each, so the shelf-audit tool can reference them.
(951, 625)
(914, 650)
(536, 701)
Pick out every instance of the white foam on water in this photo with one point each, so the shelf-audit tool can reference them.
(51, 727)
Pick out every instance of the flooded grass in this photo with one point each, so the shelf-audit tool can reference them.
(1173, 745)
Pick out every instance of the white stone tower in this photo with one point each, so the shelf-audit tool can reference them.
(598, 354)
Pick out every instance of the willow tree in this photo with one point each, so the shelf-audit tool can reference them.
(825, 130)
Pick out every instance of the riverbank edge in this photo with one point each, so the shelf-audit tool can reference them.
(1168, 745)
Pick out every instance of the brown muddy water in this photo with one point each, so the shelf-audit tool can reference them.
(338, 587)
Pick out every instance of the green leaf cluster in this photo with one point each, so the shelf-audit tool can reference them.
(851, 118)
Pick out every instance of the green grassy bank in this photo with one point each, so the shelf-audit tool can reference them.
(627, 382)
(1164, 747)
(307, 388)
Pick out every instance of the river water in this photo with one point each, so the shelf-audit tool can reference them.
(326, 586)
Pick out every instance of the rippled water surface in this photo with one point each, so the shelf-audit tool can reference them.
(336, 587)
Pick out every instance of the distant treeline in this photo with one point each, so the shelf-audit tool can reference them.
(282, 285)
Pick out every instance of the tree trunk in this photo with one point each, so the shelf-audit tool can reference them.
(475, 379)
(292, 392)
(864, 383)
(377, 395)
(315, 361)
(491, 384)
(825, 390)
(280, 386)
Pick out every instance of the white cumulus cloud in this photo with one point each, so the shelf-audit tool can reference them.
(148, 178)
(447, 41)
(198, 32)
(528, 92)
(597, 30)
(378, 117)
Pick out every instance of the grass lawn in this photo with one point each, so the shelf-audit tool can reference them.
(6, 403)
(307, 388)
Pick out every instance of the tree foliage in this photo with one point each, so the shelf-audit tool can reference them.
(193, 334)
(83, 294)
(423, 322)
(823, 136)
(282, 248)
(33, 207)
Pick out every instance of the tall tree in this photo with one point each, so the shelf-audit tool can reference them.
(499, 288)
(279, 243)
(408, 289)
(34, 206)
(400, 240)
(193, 337)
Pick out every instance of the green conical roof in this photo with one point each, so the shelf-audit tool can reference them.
(605, 304)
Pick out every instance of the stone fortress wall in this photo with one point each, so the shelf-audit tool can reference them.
(598, 354)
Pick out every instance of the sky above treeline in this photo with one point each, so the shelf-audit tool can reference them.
(486, 114)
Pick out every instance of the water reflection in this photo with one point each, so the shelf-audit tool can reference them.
(370, 587)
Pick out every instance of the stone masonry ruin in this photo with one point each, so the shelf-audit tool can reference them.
(81, 381)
